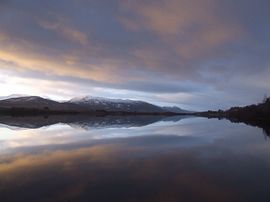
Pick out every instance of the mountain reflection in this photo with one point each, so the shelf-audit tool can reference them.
(85, 122)
(92, 122)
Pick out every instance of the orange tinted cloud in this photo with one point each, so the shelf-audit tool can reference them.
(191, 27)
(66, 31)
(63, 65)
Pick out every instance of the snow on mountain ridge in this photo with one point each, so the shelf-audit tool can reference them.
(100, 103)
(13, 96)
(100, 99)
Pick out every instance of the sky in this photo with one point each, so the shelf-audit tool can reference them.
(195, 54)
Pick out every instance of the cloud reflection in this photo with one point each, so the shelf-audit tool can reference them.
(140, 169)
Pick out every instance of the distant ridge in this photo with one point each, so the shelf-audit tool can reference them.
(13, 96)
(175, 110)
(17, 103)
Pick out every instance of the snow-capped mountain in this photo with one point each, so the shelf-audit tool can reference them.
(107, 104)
(85, 104)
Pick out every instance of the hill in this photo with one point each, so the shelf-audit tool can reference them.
(91, 105)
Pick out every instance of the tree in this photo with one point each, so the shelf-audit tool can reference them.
(265, 98)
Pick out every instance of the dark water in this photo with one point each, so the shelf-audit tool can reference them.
(133, 159)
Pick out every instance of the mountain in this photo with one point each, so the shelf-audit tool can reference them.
(87, 104)
(114, 105)
(13, 96)
(35, 102)
(175, 109)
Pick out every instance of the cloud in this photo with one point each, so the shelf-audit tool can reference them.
(153, 47)
(68, 32)
(191, 27)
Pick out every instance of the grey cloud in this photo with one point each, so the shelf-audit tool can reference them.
(119, 45)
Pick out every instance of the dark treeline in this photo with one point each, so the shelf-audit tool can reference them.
(255, 115)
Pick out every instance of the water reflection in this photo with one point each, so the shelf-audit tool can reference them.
(192, 159)
(84, 121)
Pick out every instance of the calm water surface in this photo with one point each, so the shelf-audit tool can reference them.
(135, 159)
